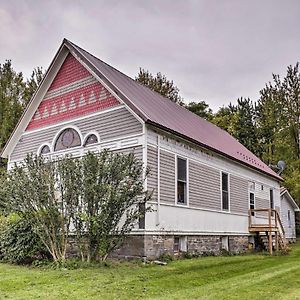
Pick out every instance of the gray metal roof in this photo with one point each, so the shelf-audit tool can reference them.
(163, 113)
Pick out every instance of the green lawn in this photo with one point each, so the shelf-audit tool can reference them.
(238, 277)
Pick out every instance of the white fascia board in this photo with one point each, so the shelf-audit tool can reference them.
(291, 199)
(36, 99)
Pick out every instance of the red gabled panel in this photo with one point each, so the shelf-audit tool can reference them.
(70, 71)
(73, 93)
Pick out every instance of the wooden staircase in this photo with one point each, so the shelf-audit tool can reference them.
(266, 223)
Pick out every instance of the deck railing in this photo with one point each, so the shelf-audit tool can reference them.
(269, 222)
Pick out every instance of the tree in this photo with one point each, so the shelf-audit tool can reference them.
(15, 94)
(99, 196)
(12, 88)
(44, 193)
(159, 84)
(111, 201)
(201, 109)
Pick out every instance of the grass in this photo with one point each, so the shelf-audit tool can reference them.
(235, 277)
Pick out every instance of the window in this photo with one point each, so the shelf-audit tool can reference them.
(180, 244)
(225, 189)
(69, 138)
(289, 218)
(181, 181)
(45, 150)
(271, 201)
(252, 202)
(91, 139)
(225, 242)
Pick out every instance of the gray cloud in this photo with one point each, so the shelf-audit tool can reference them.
(213, 50)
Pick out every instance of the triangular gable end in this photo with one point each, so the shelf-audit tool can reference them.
(69, 96)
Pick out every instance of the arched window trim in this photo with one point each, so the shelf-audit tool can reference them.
(88, 134)
(58, 134)
(42, 146)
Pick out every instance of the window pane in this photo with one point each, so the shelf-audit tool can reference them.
(224, 182)
(45, 150)
(271, 199)
(181, 192)
(225, 202)
(181, 169)
(69, 138)
(91, 139)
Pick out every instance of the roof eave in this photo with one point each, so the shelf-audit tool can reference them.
(278, 178)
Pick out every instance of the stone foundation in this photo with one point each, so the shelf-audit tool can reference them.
(152, 246)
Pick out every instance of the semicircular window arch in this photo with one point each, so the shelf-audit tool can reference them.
(91, 139)
(45, 150)
(68, 138)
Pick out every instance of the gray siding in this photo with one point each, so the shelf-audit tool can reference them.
(239, 200)
(152, 178)
(167, 177)
(137, 151)
(289, 228)
(110, 125)
(262, 203)
(204, 186)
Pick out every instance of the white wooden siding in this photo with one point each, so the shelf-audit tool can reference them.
(239, 195)
(167, 177)
(204, 186)
(290, 230)
(109, 125)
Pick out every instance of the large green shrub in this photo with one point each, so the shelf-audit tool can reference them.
(18, 242)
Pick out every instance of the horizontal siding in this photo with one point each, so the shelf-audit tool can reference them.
(261, 203)
(204, 186)
(239, 201)
(110, 125)
(152, 178)
(137, 151)
(290, 231)
(167, 177)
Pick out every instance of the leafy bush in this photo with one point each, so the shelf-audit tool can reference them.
(18, 243)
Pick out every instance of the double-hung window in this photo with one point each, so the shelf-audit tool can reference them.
(271, 201)
(225, 191)
(252, 196)
(181, 181)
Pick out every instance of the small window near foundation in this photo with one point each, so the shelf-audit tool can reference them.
(176, 244)
(180, 244)
(225, 242)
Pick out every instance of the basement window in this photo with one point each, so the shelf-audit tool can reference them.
(225, 242)
(180, 244)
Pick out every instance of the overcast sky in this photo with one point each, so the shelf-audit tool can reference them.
(215, 51)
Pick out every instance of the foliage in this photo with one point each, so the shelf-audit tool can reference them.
(201, 109)
(18, 242)
(160, 84)
(15, 93)
(110, 205)
(99, 195)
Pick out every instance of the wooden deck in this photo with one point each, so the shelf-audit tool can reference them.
(272, 228)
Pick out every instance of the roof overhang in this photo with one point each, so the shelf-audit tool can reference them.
(286, 193)
(278, 178)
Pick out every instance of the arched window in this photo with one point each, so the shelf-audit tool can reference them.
(91, 139)
(45, 150)
(69, 138)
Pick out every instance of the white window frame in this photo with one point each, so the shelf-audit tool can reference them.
(87, 135)
(221, 191)
(187, 181)
(41, 147)
(253, 192)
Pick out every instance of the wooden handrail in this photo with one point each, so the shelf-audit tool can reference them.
(272, 224)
